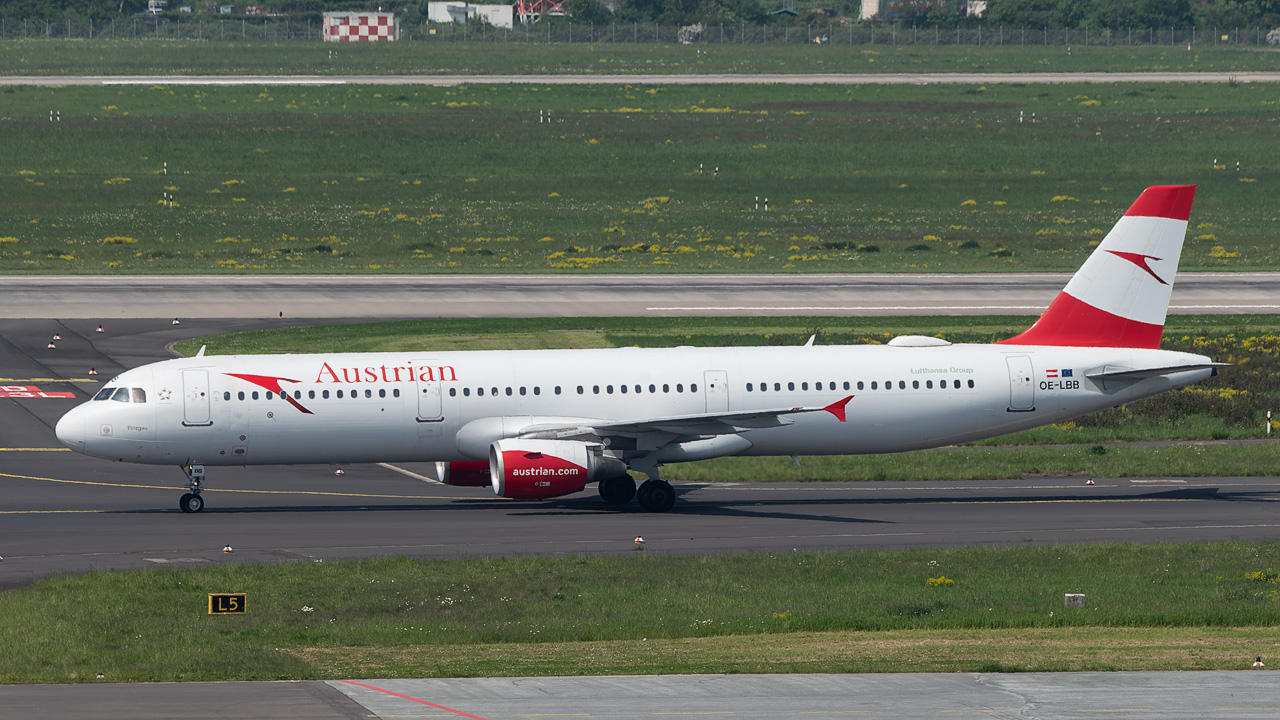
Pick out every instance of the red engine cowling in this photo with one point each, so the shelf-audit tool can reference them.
(537, 469)
(467, 473)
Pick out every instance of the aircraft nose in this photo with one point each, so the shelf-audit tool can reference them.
(70, 429)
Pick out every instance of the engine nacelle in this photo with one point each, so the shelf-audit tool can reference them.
(466, 473)
(538, 469)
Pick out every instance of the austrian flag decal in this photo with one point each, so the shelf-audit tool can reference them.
(1064, 372)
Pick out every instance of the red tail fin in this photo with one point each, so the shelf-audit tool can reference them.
(1120, 296)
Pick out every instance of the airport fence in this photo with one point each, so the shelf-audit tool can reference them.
(559, 31)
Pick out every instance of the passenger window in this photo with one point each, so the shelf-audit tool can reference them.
(382, 392)
(537, 390)
(255, 394)
(777, 387)
(859, 385)
(873, 385)
(902, 384)
(521, 391)
(270, 395)
(480, 392)
(368, 393)
(653, 389)
(297, 394)
(493, 391)
(466, 392)
(846, 385)
(693, 387)
(226, 396)
(557, 389)
(580, 390)
(666, 388)
(679, 387)
(240, 395)
(928, 384)
(324, 394)
(639, 389)
(748, 387)
(104, 393)
(623, 388)
(791, 386)
(311, 394)
(396, 392)
(508, 392)
(970, 383)
(915, 384)
(609, 389)
(595, 389)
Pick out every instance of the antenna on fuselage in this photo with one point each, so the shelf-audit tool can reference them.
(201, 353)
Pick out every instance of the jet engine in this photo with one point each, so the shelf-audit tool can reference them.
(538, 469)
(466, 473)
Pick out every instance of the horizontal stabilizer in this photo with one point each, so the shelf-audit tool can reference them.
(1110, 373)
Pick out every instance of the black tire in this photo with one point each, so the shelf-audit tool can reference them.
(191, 503)
(618, 490)
(656, 496)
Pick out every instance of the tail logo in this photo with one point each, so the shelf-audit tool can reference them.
(1140, 261)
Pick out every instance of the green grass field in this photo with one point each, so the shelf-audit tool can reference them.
(1232, 405)
(1148, 606)
(624, 179)
(504, 54)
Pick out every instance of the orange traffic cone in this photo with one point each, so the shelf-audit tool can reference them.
(1258, 662)
(1090, 482)
(52, 346)
(175, 321)
(100, 329)
(226, 549)
(93, 371)
(56, 336)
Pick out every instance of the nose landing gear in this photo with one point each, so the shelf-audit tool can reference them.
(192, 502)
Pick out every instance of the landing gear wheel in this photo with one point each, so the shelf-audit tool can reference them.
(191, 503)
(618, 490)
(656, 496)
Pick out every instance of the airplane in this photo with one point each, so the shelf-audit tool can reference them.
(539, 424)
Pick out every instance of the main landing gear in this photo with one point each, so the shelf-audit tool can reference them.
(656, 495)
(618, 490)
(192, 502)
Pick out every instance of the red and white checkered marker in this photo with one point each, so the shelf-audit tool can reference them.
(1258, 662)
(57, 336)
(359, 27)
(639, 540)
(100, 329)
(1090, 482)
(93, 371)
(52, 346)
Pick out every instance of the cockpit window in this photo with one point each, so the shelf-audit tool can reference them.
(121, 395)
(104, 393)
(139, 395)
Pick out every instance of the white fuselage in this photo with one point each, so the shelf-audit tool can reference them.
(448, 406)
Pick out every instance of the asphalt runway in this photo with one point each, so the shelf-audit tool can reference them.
(423, 296)
(65, 512)
(653, 79)
(1244, 695)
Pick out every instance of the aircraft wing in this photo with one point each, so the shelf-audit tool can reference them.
(718, 423)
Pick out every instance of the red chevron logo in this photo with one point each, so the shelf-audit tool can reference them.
(272, 384)
(1140, 261)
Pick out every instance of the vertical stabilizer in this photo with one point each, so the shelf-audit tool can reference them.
(1120, 296)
